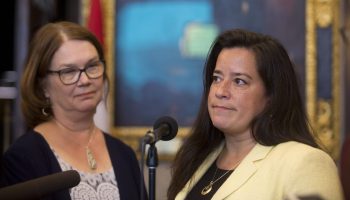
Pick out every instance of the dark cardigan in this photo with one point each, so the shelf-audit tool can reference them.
(30, 157)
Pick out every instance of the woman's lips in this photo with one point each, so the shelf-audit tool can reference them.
(85, 94)
(220, 107)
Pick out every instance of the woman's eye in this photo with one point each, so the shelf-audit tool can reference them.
(216, 78)
(95, 64)
(239, 81)
(92, 65)
(92, 68)
(68, 71)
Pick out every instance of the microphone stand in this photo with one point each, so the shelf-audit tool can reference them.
(152, 163)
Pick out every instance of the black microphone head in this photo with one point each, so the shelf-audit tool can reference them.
(42, 186)
(69, 178)
(171, 125)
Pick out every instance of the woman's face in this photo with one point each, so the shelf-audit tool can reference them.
(237, 93)
(82, 96)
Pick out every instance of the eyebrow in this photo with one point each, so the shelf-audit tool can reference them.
(94, 59)
(234, 74)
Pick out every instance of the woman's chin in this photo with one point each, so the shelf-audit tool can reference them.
(87, 108)
(221, 126)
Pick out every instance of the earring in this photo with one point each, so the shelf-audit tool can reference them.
(47, 106)
(44, 112)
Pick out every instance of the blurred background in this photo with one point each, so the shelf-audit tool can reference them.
(156, 49)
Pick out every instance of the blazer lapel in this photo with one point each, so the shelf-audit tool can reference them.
(243, 172)
(199, 173)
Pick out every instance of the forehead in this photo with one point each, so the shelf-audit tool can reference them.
(74, 52)
(237, 58)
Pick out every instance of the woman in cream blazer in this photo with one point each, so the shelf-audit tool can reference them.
(286, 171)
(251, 139)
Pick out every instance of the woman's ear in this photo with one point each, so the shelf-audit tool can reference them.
(43, 84)
(46, 94)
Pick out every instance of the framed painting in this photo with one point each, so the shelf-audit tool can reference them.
(158, 50)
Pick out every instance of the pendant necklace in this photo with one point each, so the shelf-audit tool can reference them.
(209, 187)
(89, 155)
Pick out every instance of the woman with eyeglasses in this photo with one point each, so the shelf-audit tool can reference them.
(63, 82)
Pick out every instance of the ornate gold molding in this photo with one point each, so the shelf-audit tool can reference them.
(108, 7)
(132, 135)
(324, 14)
(336, 77)
(310, 62)
(324, 114)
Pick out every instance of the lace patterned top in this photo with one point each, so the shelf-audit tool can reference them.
(93, 186)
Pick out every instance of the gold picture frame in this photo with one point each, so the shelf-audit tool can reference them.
(324, 114)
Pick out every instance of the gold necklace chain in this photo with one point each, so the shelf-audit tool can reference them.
(89, 155)
(209, 187)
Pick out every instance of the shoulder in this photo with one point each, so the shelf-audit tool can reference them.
(307, 163)
(110, 139)
(307, 170)
(29, 143)
(116, 146)
(299, 158)
(27, 158)
(296, 154)
(295, 151)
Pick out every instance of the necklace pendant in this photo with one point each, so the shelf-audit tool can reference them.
(91, 160)
(207, 189)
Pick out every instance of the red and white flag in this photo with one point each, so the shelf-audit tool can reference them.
(95, 20)
(95, 25)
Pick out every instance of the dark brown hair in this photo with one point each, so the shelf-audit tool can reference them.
(44, 45)
(283, 119)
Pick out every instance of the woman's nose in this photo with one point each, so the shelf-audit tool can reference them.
(83, 79)
(223, 90)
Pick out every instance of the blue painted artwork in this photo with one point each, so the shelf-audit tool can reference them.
(161, 46)
(161, 50)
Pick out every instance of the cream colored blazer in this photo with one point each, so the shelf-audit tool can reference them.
(286, 171)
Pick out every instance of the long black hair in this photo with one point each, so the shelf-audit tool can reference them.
(283, 119)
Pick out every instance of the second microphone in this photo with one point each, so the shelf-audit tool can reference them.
(165, 128)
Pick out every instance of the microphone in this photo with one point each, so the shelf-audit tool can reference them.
(165, 128)
(40, 187)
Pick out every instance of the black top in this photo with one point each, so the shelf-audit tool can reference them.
(30, 157)
(195, 193)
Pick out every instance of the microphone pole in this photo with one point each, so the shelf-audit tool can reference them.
(152, 163)
(165, 128)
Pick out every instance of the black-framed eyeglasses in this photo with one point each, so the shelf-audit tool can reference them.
(71, 75)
